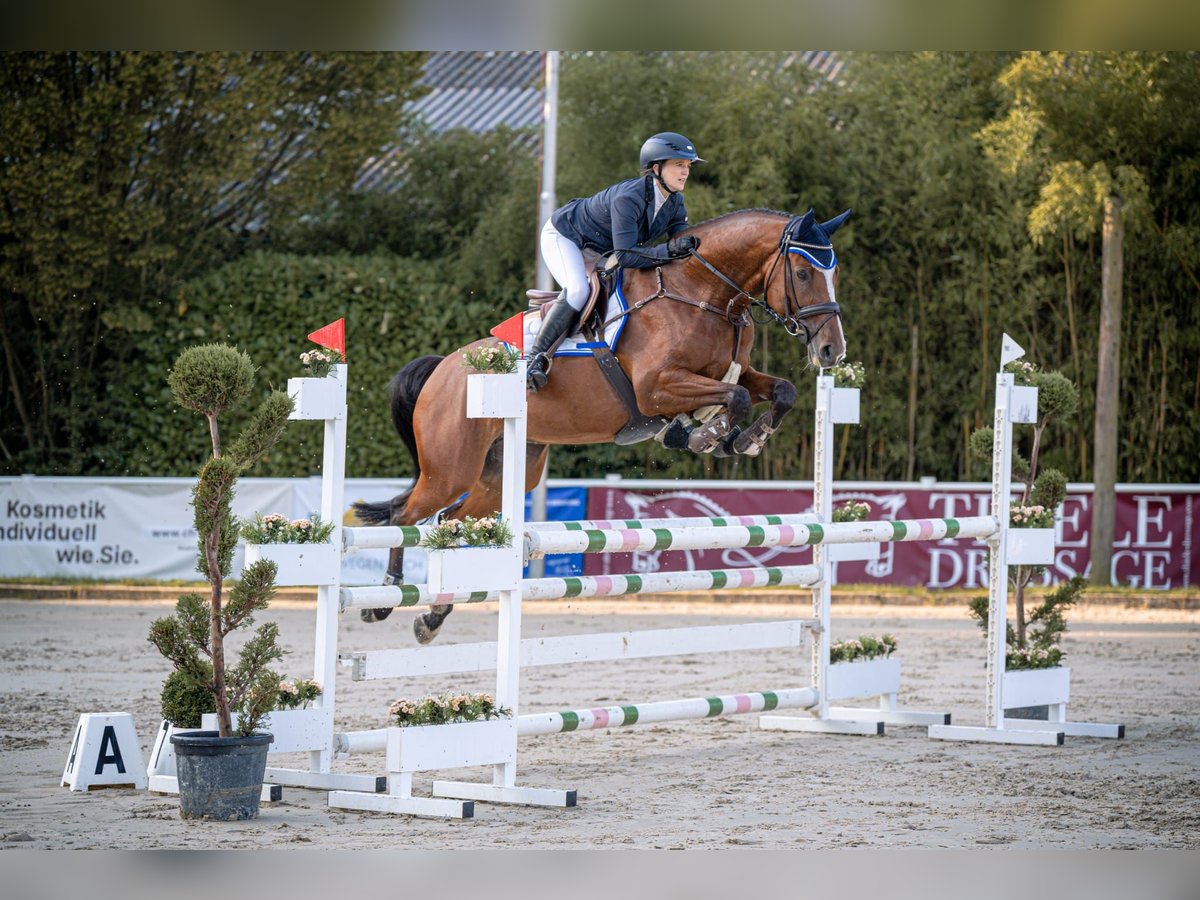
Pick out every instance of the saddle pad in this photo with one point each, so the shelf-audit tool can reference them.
(577, 344)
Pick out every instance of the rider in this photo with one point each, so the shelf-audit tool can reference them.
(627, 215)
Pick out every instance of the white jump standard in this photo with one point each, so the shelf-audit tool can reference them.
(494, 743)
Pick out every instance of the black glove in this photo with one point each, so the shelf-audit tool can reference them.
(680, 246)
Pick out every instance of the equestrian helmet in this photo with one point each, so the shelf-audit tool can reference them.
(667, 145)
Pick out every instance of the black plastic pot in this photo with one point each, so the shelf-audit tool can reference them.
(220, 778)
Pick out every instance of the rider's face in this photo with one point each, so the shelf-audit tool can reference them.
(675, 173)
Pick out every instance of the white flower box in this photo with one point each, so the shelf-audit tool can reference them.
(318, 398)
(299, 564)
(863, 679)
(467, 569)
(492, 396)
(1030, 546)
(1024, 405)
(420, 748)
(867, 552)
(843, 406)
(293, 730)
(1036, 687)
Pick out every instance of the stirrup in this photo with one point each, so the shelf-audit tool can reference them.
(537, 375)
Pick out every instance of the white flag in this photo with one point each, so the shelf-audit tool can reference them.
(1009, 350)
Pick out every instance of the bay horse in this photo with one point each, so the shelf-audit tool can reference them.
(692, 318)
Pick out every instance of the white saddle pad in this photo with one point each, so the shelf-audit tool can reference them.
(577, 344)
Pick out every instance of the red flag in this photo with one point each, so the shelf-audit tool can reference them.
(512, 331)
(332, 336)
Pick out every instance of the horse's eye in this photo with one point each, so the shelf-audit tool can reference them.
(802, 275)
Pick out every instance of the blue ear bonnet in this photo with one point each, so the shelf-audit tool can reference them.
(804, 236)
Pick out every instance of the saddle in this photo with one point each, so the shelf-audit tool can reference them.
(639, 427)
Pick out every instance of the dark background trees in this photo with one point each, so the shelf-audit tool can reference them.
(154, 201)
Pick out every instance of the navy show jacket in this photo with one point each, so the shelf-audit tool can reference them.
(617, 218)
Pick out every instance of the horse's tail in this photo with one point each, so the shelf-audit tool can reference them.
(404, 388)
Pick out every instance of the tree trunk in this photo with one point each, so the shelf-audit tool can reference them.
(1108, 379)
(914, 370)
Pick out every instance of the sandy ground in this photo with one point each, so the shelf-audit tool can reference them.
(700, 784)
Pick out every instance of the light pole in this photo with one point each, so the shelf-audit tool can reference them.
(546, 206)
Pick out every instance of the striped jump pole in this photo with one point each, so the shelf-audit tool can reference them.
(563, 721)
(385, 537)
(719, 537)
(590, 586)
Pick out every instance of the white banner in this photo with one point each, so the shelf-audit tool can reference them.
(124, 528)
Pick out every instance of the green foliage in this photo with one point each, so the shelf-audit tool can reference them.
(263, 431)
(297, 694)
(499, 360)
(865, 647)
(981, 442)
(491, 531)
(266, 303)
(276, 528)
(319, 362)
(1049, 489)
(125, 174)
(211, 379)
(443, 709)
(1043, 628)
(1058, 398)
(974, 177)
(852, 511)
(184, 701)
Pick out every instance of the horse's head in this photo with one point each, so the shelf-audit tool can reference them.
(801, 287)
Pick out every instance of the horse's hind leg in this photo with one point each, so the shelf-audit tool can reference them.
(395, 566)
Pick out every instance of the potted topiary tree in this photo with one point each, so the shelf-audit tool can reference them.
(1033, 657)
(221, 773)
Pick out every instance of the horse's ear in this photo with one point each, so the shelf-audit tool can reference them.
(835, 223)
(805, 223)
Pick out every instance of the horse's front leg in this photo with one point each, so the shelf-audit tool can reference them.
(677, 390)
(781, 394)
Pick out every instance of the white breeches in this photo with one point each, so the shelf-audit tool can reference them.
(568, 264)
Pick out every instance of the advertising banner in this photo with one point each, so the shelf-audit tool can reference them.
(127, 528)
(1155, 543)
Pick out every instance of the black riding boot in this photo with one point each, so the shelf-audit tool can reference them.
(557, 322)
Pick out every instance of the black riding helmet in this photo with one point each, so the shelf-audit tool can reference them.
(666, 145)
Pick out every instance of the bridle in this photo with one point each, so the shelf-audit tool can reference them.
(821, 256)
(794, 322)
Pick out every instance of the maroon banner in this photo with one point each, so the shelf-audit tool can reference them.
(1155, 543)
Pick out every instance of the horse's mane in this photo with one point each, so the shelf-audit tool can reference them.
(741, 212)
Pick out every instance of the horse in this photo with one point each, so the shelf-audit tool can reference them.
(692, 328)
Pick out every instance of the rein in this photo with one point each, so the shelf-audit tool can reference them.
(739, 315)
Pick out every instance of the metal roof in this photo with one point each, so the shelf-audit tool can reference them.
(482, 90)
(479, 90)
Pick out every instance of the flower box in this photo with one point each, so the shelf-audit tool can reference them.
(299, 564)
(467, 569)
(1036, 687)
(420, 748)
(863, 679)
(1030, 546)
(862, 552)
(1024, 405)
(318, 398)
(293, 730)
(491, 396)
(843, 406)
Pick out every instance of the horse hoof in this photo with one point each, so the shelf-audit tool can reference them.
(424, 633)
(374, 615)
